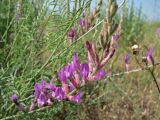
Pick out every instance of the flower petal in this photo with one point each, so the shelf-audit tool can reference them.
(84, 70)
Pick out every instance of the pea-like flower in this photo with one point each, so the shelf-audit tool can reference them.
(14, 99)
(150, 55)
(76, 98)
(42, 100)
(126, 59)
(84, 70)
(72, 34)
(82, 22)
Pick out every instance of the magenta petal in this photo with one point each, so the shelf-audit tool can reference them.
(72, 34)
(65, 88)
(51, 86)
(76, 98)
(71, 87)
(59, 94)
(69, 71)
(14, 98)
(53, 94)
(84, 70)
(77, 78)
(62, 75)
(100, 74)
(66, 72)
(82, 22)
(36, 90)
(41, 101)
(150, 55)
(126, 58)
(42, 85)
(75, 61)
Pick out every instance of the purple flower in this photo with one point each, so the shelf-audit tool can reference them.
(14, 98)
(82, 22)
(84, 70)
(75, 61)
(71, 87)
(126, 58)
(76, 98)
(150, 55)
(100, 74)
(51, 86)
(62, 75)
(36, 90)
(59, 94)
(41, 101)
(72, 34)
(65, 88)
(42, 86)
(66, 72)
(76, 78)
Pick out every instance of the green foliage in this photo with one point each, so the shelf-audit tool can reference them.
(133, 25)
(32, 48)
(35, 47)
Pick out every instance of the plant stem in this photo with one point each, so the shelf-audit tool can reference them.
(155, 80)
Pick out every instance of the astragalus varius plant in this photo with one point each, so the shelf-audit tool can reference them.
(72, 78)
(75, 75)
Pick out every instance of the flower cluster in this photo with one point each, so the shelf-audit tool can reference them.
(72, 77)
(73, 33)
(75, 74)
(85, 25)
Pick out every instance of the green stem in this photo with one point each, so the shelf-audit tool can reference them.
(155, 80)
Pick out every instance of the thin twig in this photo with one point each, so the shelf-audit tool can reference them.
(154, 78)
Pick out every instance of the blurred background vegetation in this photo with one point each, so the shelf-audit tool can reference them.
(34, 46)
